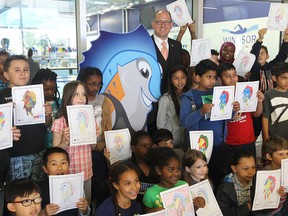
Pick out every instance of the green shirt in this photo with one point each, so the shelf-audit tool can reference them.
(152, 198)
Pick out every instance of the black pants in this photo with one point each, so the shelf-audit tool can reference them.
(99, 185)
(217, 164)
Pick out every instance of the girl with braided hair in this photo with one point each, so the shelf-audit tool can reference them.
(51, 95)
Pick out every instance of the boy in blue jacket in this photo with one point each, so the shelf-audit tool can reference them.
(194, 116)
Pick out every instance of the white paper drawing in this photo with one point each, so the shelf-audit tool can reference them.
(278, 17)
(29, 104)
(202, 141)
(246, 95)
(223, 97)
(200, 50)
(66, 190)
(177, 201)
(266, 195)
(203, 189)
(6, 134)
(98, 120)
(179, 12)
(284, 176)
(244, 62)
(81, 124)
(158, 213)
(118, 143)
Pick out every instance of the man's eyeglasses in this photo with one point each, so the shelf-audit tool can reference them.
(28, 202)
(165, 22)
(99, 85)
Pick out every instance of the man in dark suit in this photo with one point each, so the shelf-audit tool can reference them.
(168, 55)
(162, 25)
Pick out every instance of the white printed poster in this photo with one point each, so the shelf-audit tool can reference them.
(66, 190)
(266, 195)
(246, 95)
(284, 176)
(81, 124)
(244, 62)
(29, 105)
(118, 143)
(6, 134)
(177, 201)
(202, 141)
(200, 50)
(278, 17)
(203, 189)
(179, 12)
(223, 97)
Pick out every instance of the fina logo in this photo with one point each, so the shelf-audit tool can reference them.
(238, 29)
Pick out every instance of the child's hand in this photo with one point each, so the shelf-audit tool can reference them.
(51, 209)
(98, 130)
(106, 153)
(286, 35)
(249, 205)
(281, 191)
(16, 133)
(199, 202)
(206, 108)
(183, 28)
(48, 109)
(192, 26)
(261, 33)
(236, 106)
(66, 136)
(82, 205)
(247, 75)
(260, 96)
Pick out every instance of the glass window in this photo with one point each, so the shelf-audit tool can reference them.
(46, 26)
(238, 22)
(136, 13)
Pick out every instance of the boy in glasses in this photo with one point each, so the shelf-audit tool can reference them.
(23, 198)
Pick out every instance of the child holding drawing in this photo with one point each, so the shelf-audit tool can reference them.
(262, 69)
(236, 194)
(74, 93)
(26, 153)
(165, 163)
(240, 129)
(194, 170)
(51, 95)
(141, 142)
(56, 162)
(276, 150)
(193, 116)
(93, 81)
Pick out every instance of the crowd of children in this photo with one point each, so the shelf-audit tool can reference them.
(158, 163)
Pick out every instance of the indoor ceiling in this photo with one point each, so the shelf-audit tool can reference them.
(93, 6)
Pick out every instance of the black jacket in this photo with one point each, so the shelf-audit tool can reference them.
(227, 200)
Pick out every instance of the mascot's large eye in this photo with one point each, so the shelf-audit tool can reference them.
(144, 68)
